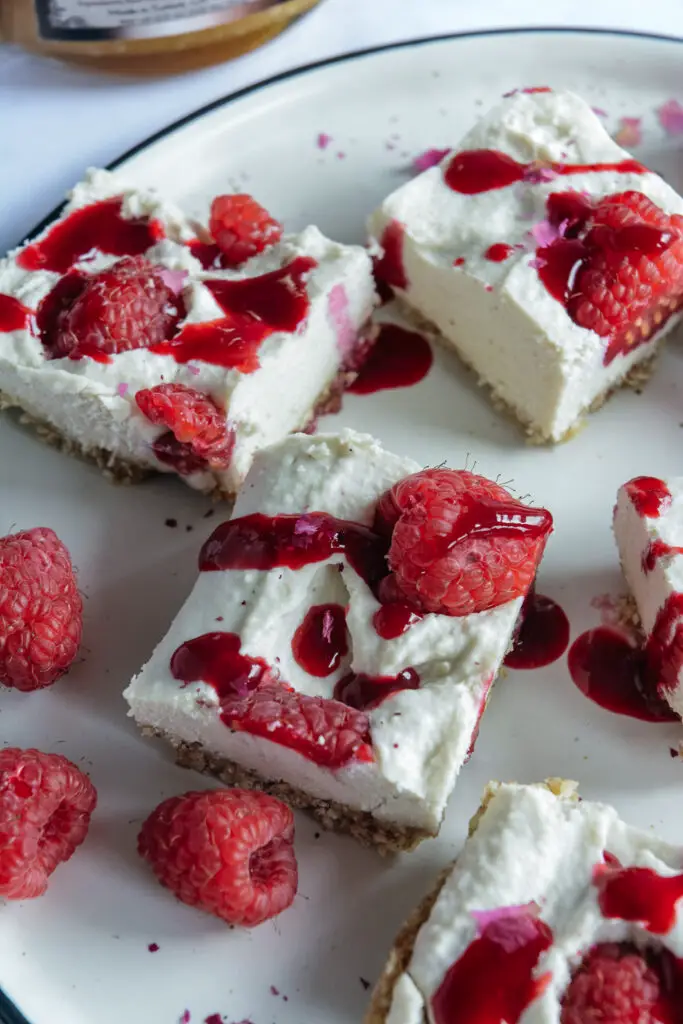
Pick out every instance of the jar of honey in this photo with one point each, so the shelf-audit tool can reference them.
(145, 36)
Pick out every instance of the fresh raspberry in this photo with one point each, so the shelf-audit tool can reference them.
(241, 227)
(199, 435)
(459, 543)
(127, 306)
(40, 609)
(229, 852)
(625, 257)
(325, 731)
(45, 808)
(614, 985)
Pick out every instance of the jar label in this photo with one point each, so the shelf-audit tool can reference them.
(97, 20)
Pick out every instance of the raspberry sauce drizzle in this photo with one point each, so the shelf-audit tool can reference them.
(639, 894)
(14, 316)
(542, 635)
(253, 699)
(614, 673)
(657, 549)
(99, 226)
(388, 268)
(321, 641)
(397, 359)
(394, 619)
(498, 252)
(493, 981)
(481, 170)
(649, 496)
(254, 308)
(289, 541)
(362, 692)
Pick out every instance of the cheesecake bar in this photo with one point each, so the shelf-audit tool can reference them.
(555, 912)
(543, 253)
(124, 334)
(340, 643)
(648, 528)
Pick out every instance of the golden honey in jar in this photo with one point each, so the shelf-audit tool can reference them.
(145, 36)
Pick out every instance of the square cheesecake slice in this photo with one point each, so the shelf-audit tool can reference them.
(308, 661)
(543, 253)
(555, 911)
(648, 528)
(122, 334)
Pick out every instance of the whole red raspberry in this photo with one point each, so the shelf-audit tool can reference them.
(241, 228)
(199, 435)
(45, 808)
(40, 609)
(127, 306)
(229, 852)
(459, 543)
(614, 985)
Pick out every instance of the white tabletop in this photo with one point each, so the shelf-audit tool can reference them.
(55, 121)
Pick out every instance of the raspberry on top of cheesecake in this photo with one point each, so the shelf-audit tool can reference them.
(150, 343)
(344, 632)
(543, 253)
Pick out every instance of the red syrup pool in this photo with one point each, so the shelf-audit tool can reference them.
(321, 641)
(254, 308)
(542, 635)
(481, 170)
(99, 226)
(398, 359)
(613, 673)
(493, 981)
(14, 316)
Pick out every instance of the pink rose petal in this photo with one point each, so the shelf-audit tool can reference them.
(122, 389)
(323, 140)
(193, 369)
(599, 111)
(485, 918)
(173, 279)
(512, 92)
(341, 155)
(537, 264)
(535, 175)
(629, 132)
(670, 116)
(430, 158)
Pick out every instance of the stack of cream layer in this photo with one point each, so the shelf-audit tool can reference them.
(498, 316)
(531, 845)
(90, 405)
(648, 528)
(420, 737)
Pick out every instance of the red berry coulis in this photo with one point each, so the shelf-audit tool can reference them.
(493, 981)
(99, 226)
(366, 692)
(498, 252)
(481, 170)
(639, 894)
(542, 635)
(657, 549)
(615, 674)
(14, 316)
(292, 541)
(215, 658)
(394, 619)
(397, 359)
(649, 495)
(389, 269)
(321, 641)
(254, 308)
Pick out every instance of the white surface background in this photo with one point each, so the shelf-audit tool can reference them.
(55, 120)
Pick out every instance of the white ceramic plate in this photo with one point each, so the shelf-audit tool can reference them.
(79, 954)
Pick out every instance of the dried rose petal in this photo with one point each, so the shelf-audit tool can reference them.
(430, 158)
(670, 116)
(629, 132)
